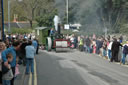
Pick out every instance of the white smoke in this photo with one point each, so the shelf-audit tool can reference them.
(85, 12)
(56, 22)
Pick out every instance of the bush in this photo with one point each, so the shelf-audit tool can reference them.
(21, 30)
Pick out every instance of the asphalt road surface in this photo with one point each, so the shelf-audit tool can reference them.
(78, 68)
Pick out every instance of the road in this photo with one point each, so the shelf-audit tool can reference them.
(78, 68)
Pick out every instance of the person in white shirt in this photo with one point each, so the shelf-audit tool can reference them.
(109, 50)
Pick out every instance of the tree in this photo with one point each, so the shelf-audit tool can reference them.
(46, 19)
(29, 7)
(113, 14)
(16, 9)
(33, 8)
(46, 13)
(5, 9)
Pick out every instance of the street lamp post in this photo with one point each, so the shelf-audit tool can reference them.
(9, 31)
(67, 9)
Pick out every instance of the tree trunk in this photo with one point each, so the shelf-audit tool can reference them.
(30, 23)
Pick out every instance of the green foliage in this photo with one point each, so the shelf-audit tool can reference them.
(28, 10)
(21, 30)
(110, 13)
(67, 32)
(124, 29)
(46, 19)
(115, 13)
(5, 9)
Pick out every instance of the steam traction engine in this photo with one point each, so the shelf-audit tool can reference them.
(57, 42)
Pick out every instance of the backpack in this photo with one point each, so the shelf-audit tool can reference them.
(8, 75)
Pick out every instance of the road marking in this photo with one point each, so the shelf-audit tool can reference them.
(35, 73)
(30, 79)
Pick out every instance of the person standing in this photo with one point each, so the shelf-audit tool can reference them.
(0, 69)
(88, 44)
(52, 31)
(7, 74)
(34, 43)
(81, 44)
(30, 53)
(105, 49)
(109, 50)
(15, 47)
(99, 44)
(75, 42)
(72, 41)
(115, 50)
(121, 39)
(22, 48)
(2, 47)
(125, 53)
(37, 46)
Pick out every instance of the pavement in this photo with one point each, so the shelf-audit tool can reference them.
(73, 68)
(20, 78)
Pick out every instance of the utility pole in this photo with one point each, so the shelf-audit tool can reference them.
(3, 38)
(67, 10)
(1, 20)
(9, 31)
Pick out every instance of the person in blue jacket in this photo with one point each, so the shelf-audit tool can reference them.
(30, 54)
(125, 52)
(52, 31)
(15, 47)
(34, 43)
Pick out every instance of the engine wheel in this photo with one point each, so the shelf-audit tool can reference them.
(48, 44)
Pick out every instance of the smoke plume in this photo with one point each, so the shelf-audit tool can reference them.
(85, 12)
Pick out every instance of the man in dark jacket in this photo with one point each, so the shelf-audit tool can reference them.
(22, 47)
(88, 44)
(115, 50)
(99, 44)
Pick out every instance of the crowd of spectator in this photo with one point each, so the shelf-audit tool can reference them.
(21, 49)
(16, 49)
(112, 48)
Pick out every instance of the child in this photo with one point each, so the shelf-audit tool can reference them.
(7, 71)
(17, 67)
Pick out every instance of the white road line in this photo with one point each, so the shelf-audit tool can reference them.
(35, 73)
(30, 79)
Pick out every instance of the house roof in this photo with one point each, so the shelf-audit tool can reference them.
(17, 24)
